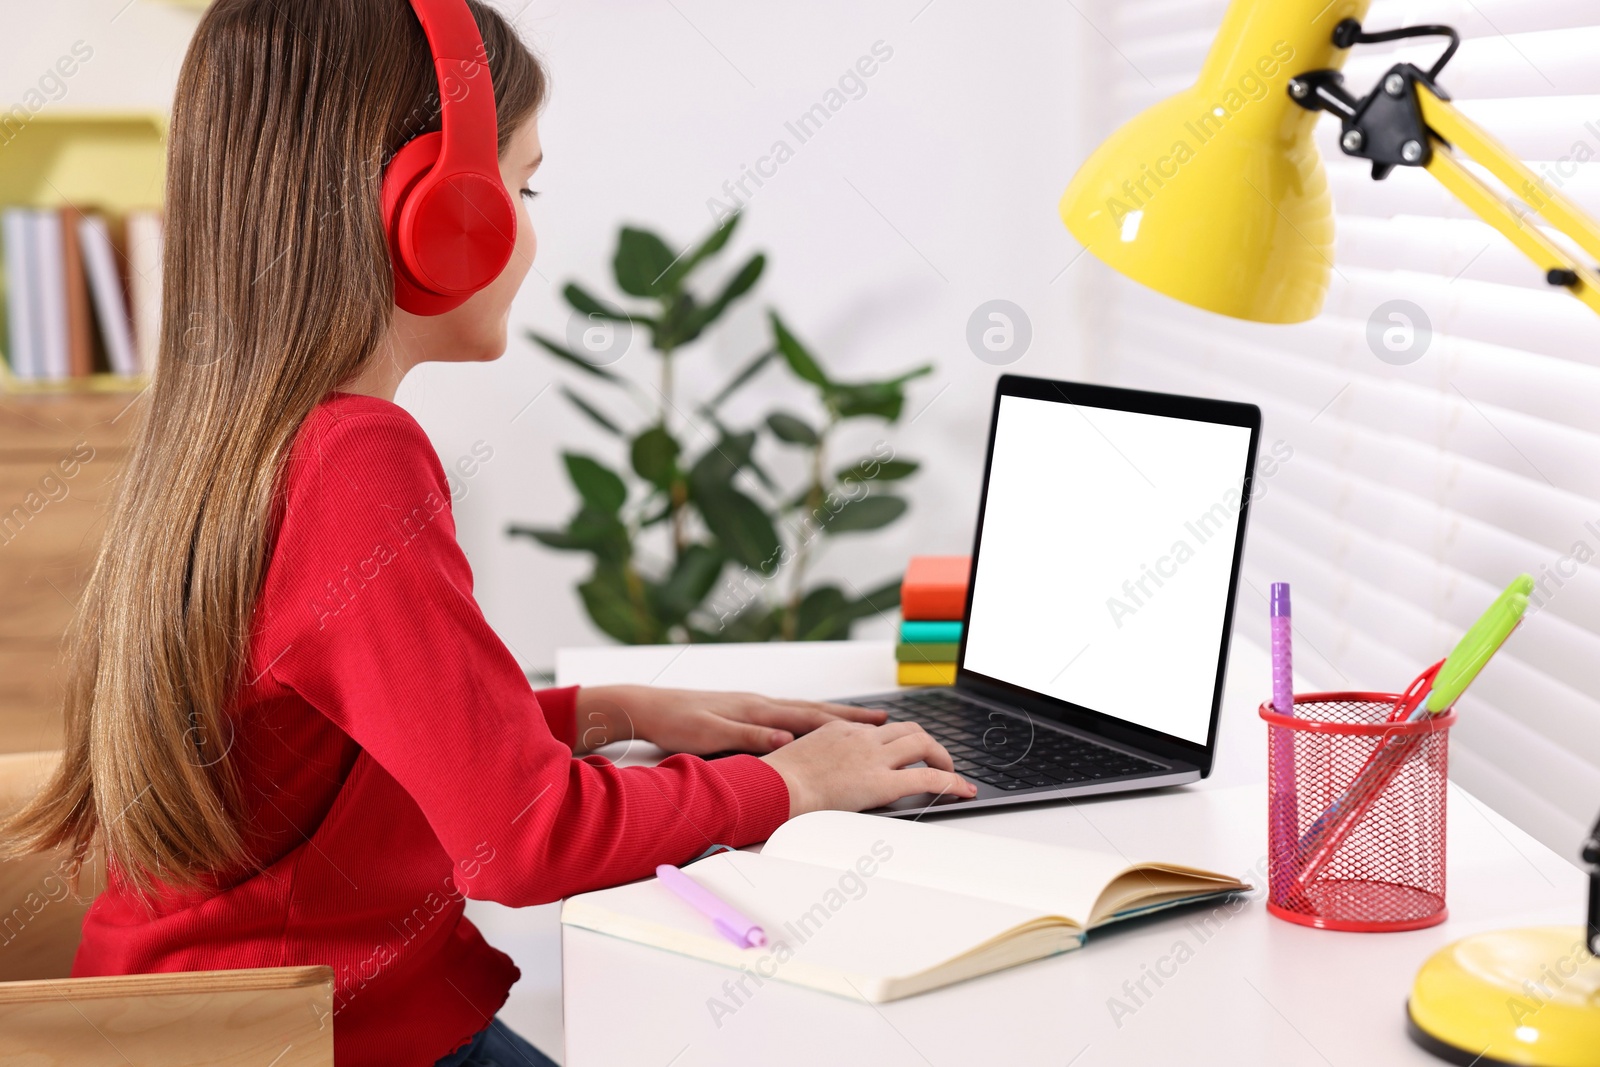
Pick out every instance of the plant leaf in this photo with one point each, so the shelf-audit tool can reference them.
(641, 262)
(763, 477)
(717, 465)
(655, 456)
(740, 525)
(562, 352)
(600, 486)
(691, 580)
(586, 304)
(607, 599)
(740, 284)
(791, 429)
(794, 353)
(825, 616)
(590, 530)
(602, 533)
(820, 614)
(714, 243)
(865, 513)
(599, 417)
(883, 470)
(872, 398)
(756, 621)
(919, 372)
(750, 370)
(883, 599)
(673, 328)
(884, 399)
(558, 539)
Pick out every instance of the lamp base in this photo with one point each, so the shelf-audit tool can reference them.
(1511, 998)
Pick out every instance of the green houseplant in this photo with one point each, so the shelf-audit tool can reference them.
(693, 500)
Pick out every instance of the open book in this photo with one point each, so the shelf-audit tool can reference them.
(879, 909)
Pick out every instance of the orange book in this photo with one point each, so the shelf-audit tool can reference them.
(935, 587)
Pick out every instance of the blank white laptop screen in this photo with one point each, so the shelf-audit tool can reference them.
(1105, 560)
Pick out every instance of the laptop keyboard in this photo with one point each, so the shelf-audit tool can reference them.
(1005, 750)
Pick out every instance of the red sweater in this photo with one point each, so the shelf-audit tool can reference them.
(394, 759)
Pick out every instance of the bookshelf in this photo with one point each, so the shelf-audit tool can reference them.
(50, 524)
(107, 160)
(59, 459)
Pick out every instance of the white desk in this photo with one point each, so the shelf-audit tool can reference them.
(1249, 989)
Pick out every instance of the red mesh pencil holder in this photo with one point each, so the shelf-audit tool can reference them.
(1356, 813)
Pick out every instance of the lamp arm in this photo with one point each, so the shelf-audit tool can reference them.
(1409, 121)
(1449, 127)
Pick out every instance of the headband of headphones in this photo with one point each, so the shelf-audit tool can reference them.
(450, 222)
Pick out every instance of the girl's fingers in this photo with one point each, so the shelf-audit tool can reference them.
(849, 712)
(724, 734)
(895, 730)
(791, 715)
(938, 782)
(802, 716)
(919, 746)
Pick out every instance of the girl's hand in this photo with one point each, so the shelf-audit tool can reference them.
(853, 767)
(687, 720)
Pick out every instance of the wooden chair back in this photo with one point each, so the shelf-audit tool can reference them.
(41, 914)
(280, 1016)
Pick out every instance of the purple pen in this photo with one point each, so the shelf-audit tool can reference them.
(1284, 808)
(728, 921)
(1282, 651)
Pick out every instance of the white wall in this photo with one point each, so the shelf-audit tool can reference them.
(930, 194)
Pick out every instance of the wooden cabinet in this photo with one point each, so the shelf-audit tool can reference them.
(59, 460)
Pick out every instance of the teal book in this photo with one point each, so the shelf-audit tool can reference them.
(919, 632)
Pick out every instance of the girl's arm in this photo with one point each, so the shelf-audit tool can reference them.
(367, 612)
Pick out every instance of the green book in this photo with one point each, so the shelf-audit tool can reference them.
(926, 652)
(915, 631)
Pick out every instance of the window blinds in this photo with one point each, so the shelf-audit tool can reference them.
(1415, 491)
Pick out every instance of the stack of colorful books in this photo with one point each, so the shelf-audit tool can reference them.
(933, 597)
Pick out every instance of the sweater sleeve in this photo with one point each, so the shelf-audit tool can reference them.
(560, 707)
(367, 613)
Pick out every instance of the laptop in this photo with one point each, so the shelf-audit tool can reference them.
(1095, 637)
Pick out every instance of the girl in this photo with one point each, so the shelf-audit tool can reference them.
(288, 724)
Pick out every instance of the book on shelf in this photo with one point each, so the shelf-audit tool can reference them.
(80, 321)
(109, 301)
(145, 243)
(50, 304)
(16, 230)
(76, 304)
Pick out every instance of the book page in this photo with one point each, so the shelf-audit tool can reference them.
(1046, 879)
(842, 931)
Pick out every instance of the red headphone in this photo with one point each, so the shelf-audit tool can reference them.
(450, 222)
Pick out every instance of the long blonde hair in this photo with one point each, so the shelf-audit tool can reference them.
(276, 289)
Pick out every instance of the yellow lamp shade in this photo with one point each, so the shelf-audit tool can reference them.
(1217, 196)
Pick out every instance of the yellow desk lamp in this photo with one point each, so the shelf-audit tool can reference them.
(1217, 197)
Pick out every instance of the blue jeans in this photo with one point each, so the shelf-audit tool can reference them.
(496, 1046)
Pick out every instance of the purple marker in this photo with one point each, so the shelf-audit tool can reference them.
(1284, 813)
(729, 923)
(1282, 651)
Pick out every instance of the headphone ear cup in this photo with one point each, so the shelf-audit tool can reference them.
(450, 235)
(408, 167)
